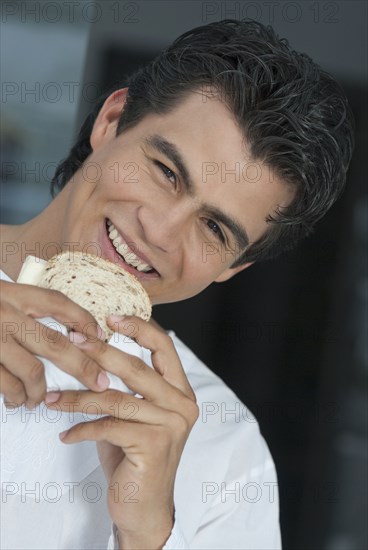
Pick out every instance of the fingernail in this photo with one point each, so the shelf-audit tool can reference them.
(52, 396)
(10, 406)
(63, 434)
(77, 337)
(103, 380)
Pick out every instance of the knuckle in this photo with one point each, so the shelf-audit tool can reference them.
(138, 365)
(56, 339)
(35, 371)
(165, 340)
(86, 366)
(108, 423)
(77, 398)
(193, 412)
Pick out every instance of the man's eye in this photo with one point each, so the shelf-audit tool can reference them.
(216, 229)
(169, 174)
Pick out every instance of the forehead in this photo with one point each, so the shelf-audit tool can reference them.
(208, 122)
(218, 160)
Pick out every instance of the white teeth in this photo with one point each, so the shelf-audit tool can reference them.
(124, 249)
(143, 267)
(117, 241)
(132, 259)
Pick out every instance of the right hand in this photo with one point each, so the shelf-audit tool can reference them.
(22, 378)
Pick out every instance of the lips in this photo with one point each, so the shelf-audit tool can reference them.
(111, 254)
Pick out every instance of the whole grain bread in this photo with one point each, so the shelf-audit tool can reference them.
(100, 286)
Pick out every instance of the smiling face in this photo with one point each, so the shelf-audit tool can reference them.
(180, 191)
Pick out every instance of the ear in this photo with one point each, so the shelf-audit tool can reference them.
(108, 117)
(231, 271)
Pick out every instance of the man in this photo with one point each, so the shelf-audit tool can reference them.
(227, 98)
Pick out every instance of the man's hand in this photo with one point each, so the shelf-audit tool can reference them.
(140, 442)
(22, 378)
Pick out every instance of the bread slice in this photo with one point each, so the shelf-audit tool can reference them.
(99, 286)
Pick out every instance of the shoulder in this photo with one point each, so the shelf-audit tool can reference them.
(224, 422)
(226, 471)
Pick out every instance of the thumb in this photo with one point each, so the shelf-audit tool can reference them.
(110, 457)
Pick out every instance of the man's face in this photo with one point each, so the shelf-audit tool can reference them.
(181, 192)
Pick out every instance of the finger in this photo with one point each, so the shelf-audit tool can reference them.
(117, 432)
(163, 353)
(27, 368)
(12, 388)
(117, 404)
(40, 302)
(110, 456)
(137, 375)
(42, 340)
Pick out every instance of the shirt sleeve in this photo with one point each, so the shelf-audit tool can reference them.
(252, 525)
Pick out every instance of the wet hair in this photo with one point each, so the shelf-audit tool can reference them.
(294, 117)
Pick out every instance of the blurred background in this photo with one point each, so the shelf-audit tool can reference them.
(288, 336)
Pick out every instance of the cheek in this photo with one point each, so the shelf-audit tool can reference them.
(127, 181)
(215, 258)
(202, 269)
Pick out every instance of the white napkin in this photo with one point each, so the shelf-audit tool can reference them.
(57, 379)
(31, 452)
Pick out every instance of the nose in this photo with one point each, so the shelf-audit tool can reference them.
(167, 227)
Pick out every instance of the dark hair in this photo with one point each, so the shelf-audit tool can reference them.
(294, 116)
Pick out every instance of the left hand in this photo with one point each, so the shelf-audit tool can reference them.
(141, 441)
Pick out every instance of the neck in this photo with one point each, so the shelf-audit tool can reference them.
(41, 237)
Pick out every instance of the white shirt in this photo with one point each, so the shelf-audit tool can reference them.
(225, 496)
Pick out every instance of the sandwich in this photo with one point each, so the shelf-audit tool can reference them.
(99, 286)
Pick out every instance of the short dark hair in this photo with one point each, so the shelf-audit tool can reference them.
(294, 116)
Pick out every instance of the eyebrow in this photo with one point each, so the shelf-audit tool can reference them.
(170, 150)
